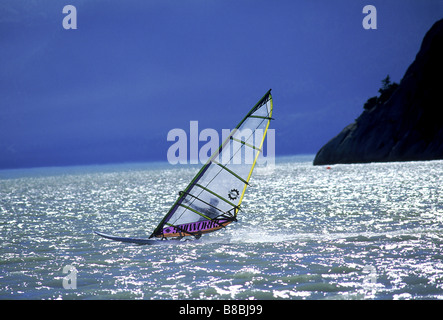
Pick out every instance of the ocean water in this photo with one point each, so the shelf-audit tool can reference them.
(363, 231)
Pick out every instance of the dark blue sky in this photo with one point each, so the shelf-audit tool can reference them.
(111, 90)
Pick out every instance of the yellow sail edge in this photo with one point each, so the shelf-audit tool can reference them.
(260, 148)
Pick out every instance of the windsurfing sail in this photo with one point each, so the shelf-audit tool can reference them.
(212, 199)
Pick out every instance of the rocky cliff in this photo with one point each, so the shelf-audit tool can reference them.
(406, 126)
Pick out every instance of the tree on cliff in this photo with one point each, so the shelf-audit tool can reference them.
(385, 91)
(386, 82)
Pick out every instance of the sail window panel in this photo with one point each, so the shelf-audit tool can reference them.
(252, 130)
(237, 156)
(225, 199)
(208, 204)
(264, 110)
(251, 124)
(242, 153)
(222, 183)
(245, 146)
(258, 123)
(183, 215)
